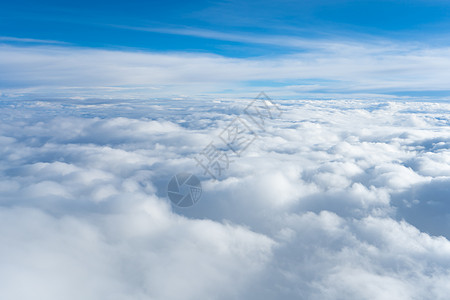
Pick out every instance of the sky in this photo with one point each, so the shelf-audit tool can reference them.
(290, 48)
(332, 184)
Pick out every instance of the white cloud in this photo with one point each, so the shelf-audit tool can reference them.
(28, 40)
(316, 208)
(335, 67)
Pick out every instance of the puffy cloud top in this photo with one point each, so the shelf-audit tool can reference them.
(334, 200)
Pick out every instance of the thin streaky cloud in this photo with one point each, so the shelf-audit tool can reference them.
(332, 42)
(29, 40)
(275, 40)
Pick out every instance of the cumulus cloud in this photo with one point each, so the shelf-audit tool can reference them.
(314, 208)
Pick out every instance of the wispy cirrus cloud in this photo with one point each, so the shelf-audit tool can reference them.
(322, 66)
(28, 40)
(274, 40)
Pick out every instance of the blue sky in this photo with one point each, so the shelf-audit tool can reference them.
(249, 31)
(111, 24)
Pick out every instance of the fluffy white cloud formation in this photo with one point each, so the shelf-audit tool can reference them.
(334, 200)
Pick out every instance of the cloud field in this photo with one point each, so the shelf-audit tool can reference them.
(334, 200)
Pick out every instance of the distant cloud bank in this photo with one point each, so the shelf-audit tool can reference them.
(318, 67)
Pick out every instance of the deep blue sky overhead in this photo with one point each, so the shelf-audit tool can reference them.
(110, 23)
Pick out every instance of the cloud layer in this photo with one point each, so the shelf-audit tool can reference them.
(331, 66)
(315, 208)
